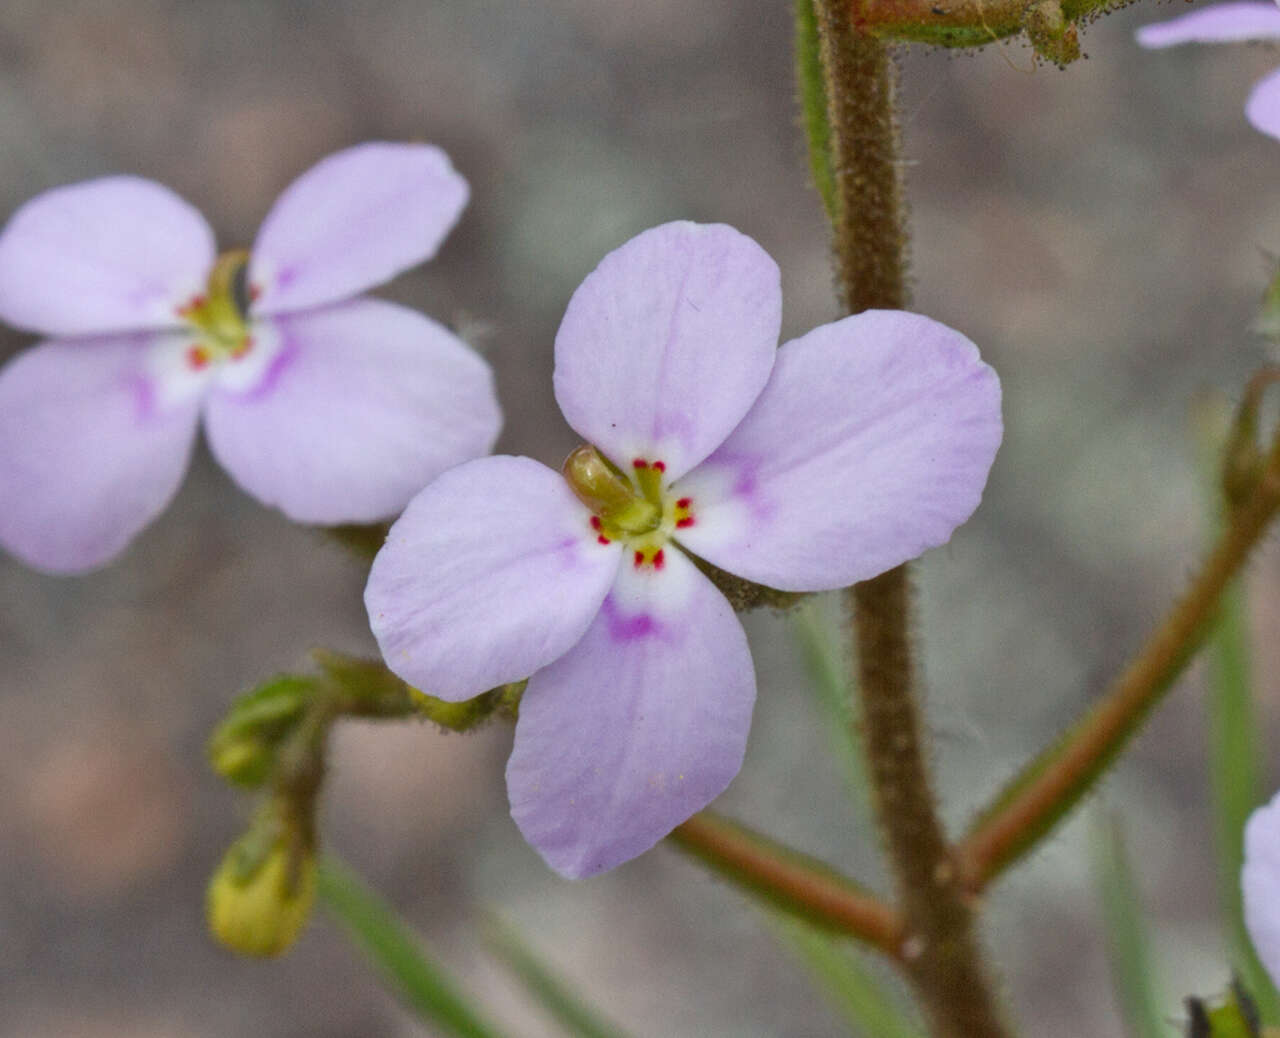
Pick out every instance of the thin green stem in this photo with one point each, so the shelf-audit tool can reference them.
(812, 88)
(394, 951)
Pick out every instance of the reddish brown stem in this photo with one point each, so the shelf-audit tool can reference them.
(792, 881)
(1059, 777)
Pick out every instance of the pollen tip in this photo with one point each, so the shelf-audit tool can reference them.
(639, 559)
(658, 560)
(684, 502)
(640, 463)
(661, 466)
(687, 521)
(595, 522)
(602, 539)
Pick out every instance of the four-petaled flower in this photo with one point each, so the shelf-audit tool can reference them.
(1237, 22)
(334, 409)
(825, 462)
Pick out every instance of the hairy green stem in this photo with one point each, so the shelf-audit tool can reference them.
(968, 23)
(941, 953)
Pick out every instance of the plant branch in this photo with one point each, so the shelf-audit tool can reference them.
(967, 23)
(1059, 777)
(791, 881)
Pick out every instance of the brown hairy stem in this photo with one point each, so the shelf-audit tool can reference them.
(941, 952)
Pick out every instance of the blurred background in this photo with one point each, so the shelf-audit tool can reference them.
(1100, 232)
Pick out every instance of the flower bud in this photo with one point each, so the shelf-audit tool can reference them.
(258, 902)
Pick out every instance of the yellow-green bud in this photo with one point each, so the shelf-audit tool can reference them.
(242, 759)
(242, 749)
(258, 904)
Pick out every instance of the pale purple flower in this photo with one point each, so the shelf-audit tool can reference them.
(1260, 884)
(1240, 21)
(332, 408)
(844, 453)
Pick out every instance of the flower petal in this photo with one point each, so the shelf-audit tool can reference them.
(363, 404)
(667, 342)
(108, 255)
(492, 572)
(871, 443)
(88, 454)
(1218, 23)
(1263, 106)
(638, 726)
(1260, 884)
(354, 220)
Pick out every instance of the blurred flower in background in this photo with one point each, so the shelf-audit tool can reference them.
(1240, 22)
(333, 413)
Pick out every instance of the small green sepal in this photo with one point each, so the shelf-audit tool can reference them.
(242, 749)
(1052, 36)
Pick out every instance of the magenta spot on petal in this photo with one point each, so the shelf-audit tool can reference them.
(271, 377)
(144, 395)
(660, 466)
(628, 628)
(640, 463)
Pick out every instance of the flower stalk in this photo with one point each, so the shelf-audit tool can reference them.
(791, 881)
(942, 956)
(1055, 781)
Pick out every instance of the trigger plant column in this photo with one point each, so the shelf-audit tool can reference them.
(864, 202)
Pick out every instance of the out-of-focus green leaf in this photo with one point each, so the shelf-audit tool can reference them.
(574, 1015)
(1235, 773)
(397, 955)
(830, 679)
(850, 988)
(1142, 1008)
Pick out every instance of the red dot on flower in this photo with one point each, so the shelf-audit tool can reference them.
(640, 463)
(684, 502)
(661, 466)
(595, 522)
(639, 559)
(658, 560)
(197, 358)
(602, 539)
(685, 522)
